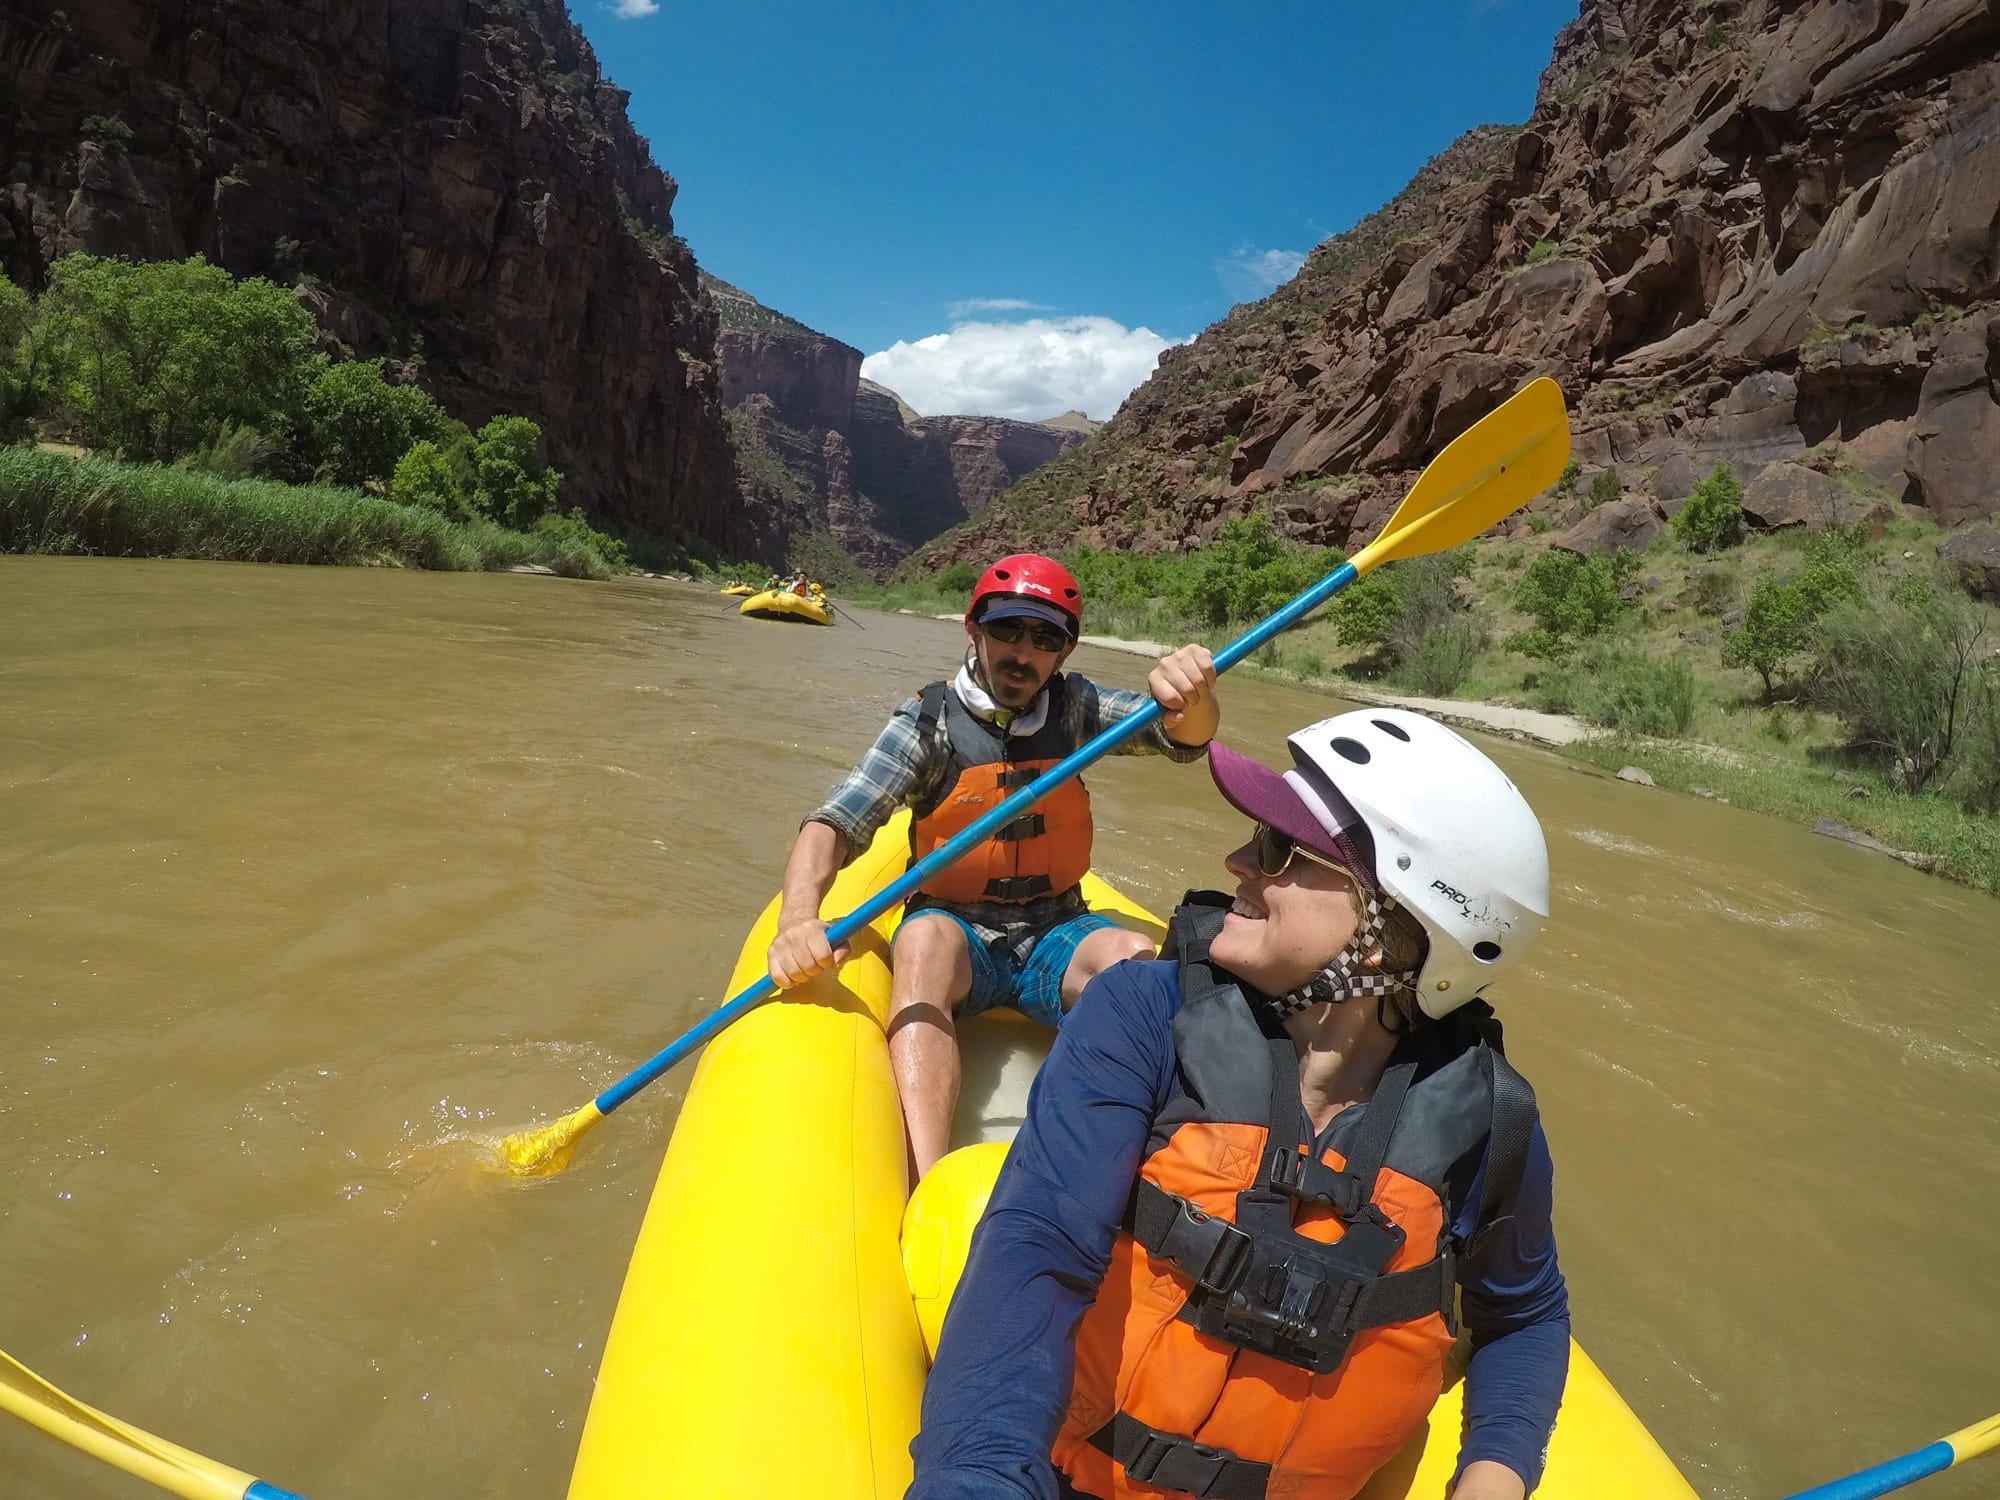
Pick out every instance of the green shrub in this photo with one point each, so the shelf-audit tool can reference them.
(1713, 515)
(1711, 590)
(1901, 668)
(1438, 662)
(1540, 251)
(1570, 598)
(358, 425)
(1615, 685)
(1778, 622)
(1367, 609)
(1247, 571)
(15, 315)
(1605, 487)
(425, 477)
(959, 578)
(235, 453)
(569, 533)
(515, 488)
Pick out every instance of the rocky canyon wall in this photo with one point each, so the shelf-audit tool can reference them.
(1740, 230)
(449, 183)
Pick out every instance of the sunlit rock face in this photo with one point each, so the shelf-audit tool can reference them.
(852, 460)
(448, 183)
(1745, 230)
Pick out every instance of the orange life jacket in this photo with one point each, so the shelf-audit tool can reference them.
(1274, 1321)
(1046, 849)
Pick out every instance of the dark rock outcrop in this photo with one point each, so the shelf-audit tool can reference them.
(1756, 231)
(450, 181)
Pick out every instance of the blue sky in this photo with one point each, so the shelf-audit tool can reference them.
(1012, 208)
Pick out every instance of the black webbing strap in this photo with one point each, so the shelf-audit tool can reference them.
(1507, 1145)
(1175, 1463)
(1298, 1174)
(1018, 887)
(1027, 826)
(1015, 776)
(930, 708)
(1210, 1250)
(1405, 1296)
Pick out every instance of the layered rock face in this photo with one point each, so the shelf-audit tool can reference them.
(1744, 230)
(446, 181)
(826, 451)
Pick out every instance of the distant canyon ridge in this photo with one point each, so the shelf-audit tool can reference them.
(827, 453)
(1759, 231)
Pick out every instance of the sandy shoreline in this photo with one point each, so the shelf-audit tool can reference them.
(1490, 718)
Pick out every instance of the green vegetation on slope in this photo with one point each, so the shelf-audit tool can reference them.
(176, 362)
(1828, 674)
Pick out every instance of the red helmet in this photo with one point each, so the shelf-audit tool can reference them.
(1029, 578)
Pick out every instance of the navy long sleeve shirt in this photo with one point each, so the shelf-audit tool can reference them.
(1000, 1387)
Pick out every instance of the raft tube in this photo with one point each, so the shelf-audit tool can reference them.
(741, 590)
(783, 604)
(767, 1340)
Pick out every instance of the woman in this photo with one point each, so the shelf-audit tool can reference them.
(1221, 1257)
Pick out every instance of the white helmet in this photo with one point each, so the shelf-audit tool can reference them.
(1455, 841)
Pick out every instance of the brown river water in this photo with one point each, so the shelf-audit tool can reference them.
(311, 877)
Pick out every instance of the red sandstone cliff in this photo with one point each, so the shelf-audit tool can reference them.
(1742, 229)
(449, 178)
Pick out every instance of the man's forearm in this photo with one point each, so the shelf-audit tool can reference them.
(816, 859)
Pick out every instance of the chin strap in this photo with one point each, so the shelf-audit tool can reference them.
(1348, 973)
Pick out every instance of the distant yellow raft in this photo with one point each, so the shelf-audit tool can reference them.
(767, 1342)
(783, 604)
(743, 589)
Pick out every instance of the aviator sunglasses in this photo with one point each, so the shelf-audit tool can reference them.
(1009, 633)
(1276, 851)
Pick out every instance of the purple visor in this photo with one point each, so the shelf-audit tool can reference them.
(1258, 792)
(1027, 609)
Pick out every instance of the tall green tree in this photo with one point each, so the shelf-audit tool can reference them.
(515, 487)
(154, 360)
(357, 424)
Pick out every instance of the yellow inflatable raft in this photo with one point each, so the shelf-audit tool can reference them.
(783, 604)
(743, 590)
(767, 1341)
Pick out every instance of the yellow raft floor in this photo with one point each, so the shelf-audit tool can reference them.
(766, 1342)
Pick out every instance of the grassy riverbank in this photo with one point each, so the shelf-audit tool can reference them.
(55, 503)
(1659, 651)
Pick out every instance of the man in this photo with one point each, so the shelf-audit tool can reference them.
(1006, 924)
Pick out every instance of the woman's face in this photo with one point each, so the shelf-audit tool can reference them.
(1283, 928)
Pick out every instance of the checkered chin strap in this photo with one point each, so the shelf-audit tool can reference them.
(1346, 973)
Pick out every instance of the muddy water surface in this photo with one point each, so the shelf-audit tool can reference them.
(308, 876)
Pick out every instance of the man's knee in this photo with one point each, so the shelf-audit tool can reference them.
(1111, 945)
(931, 964)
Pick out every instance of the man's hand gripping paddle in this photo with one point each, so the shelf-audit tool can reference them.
(1493, 468)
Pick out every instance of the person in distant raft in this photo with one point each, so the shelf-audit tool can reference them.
(1005, 925)
(1221, 1258)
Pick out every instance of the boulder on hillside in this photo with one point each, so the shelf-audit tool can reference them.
(1974, 553)
(1628, 523)
(1957, 427)
(1788, 495)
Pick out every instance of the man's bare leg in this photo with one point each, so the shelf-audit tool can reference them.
(1098, 952)
(930, 976)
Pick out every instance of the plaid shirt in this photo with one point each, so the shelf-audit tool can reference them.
(905, 768)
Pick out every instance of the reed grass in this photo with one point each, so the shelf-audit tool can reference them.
(55, 503)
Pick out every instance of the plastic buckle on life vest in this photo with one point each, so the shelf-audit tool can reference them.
(1213, 1251)
(1299, 1176)
(1171, 1463)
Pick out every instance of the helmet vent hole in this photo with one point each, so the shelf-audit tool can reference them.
(1352, 750)
(1486, 953)
(1396, 731)
(1002, 574)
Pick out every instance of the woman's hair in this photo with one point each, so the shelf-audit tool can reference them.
(1405, 944)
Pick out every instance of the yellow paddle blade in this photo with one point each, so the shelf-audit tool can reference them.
(1980, 1437)
(26, 1395)
(546, 1151)
(1484, 474)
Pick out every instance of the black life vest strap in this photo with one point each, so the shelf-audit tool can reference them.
(1179, 1464)
(1019, 887)
(1214, 1253)
(1027, 826)
(1514, 1115)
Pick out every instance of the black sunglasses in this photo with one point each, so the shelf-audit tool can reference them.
(1009, 633)
(1276, 851)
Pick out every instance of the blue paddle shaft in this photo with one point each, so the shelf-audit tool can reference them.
(1933, 1458)
(977, 832)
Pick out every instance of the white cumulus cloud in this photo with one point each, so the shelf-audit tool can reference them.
(1249, 274)
(1029, 370)
(632, 10)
